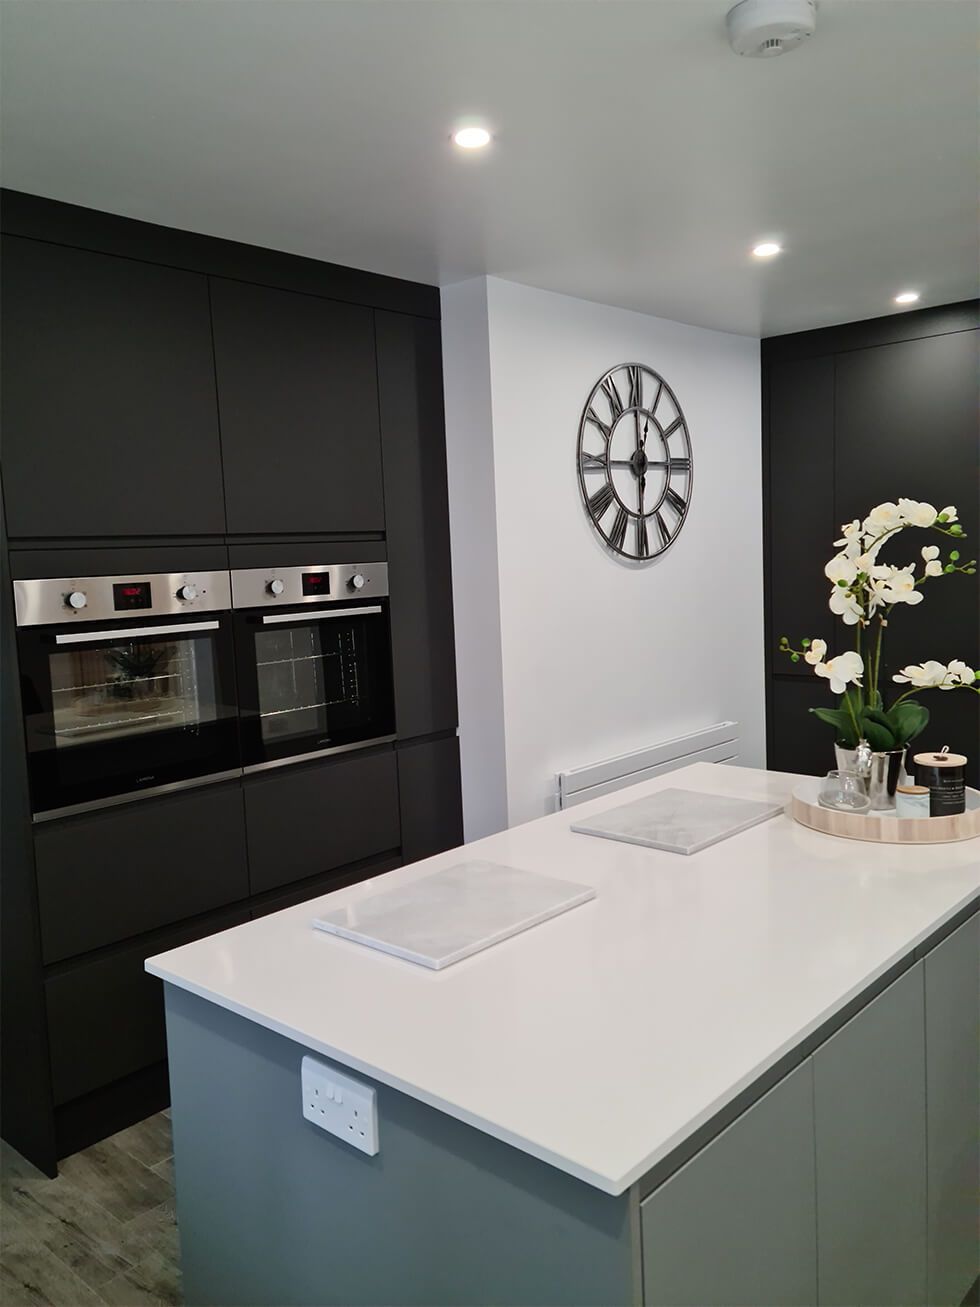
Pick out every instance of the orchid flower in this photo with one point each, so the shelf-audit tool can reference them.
(844, 670)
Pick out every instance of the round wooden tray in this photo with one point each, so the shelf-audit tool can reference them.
(883, 827)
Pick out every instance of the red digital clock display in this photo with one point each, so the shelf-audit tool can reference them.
(131, 594)
(316, 583)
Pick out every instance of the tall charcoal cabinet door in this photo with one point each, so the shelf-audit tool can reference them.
(799, 532)
(413, 438)
(737, 1224)
(298, 402)
(110, 423)
(906, 415)
(953, 1120)
(870, 1110)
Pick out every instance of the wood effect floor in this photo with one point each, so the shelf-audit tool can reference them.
(103, 1234)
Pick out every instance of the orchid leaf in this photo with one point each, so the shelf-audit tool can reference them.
(879, 737)
(842, 723)
(908, 720)
(882, 718)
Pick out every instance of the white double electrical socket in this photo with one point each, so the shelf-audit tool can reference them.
(340, 1105)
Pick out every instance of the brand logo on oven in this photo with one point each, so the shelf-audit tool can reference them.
(324, 740)
(141, 780)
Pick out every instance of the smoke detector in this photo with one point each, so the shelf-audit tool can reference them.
(764, 28)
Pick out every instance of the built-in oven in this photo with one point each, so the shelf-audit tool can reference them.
(313, 647)
(128, 686)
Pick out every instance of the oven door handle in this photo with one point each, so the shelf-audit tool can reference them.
(272, 619)
(90, 637)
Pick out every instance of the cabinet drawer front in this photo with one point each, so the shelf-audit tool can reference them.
(307, 890)
(107, 876)
(105, 1016)
(737, 1223)
(304, 820)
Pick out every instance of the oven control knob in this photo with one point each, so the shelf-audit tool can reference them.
(276, 587)
(357, 581)
(76, 599)
(187, 592)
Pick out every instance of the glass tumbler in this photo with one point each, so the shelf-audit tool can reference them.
(844, 791)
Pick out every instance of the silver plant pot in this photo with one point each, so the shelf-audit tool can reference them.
(887, 772)
(881, 772)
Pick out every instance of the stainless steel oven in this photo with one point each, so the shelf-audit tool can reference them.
(313, 650)
(127, 686)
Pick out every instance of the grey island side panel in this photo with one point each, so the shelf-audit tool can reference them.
(952, 999)
(870, 1139)
(737, 1224)
(274, 1212)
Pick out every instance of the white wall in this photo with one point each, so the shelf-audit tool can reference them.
(473, 530)
(597, 656)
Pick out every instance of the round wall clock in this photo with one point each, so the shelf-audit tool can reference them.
(635, 469)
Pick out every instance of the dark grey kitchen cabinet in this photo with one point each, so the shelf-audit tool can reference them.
(303, 820)
(853, 416)
(317, 886)
(907, 424)
(150, 377)
(298, 403)
(108, 407)
(105, 1012)
(800, 527)
(413, 438)
(106, 876)
(430, 797)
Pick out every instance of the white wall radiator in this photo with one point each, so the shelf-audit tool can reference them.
(713, 744)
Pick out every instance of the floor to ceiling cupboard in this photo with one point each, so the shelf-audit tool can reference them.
(854, 416)
(174, 402)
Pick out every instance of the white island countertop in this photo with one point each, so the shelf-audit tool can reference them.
(602, 1039)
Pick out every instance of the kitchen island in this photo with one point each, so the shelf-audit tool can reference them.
(744, 1076)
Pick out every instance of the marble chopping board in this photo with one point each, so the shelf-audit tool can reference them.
(678, 821)
(454, 913)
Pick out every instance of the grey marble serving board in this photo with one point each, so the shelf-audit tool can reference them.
(678, 821)
(453, 913)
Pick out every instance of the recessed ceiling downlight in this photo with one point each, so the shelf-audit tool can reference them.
(906, 297)
(472, 138)
(767, 250)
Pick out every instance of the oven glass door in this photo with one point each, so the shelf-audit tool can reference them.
(117, 708)
(313, 679)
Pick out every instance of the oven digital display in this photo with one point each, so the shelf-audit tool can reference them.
(316, 583)
(131, 594)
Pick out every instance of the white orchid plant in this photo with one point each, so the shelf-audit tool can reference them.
(864, 595)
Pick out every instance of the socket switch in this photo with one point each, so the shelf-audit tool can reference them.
(340, 1105)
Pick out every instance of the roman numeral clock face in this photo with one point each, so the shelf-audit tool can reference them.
(634, 461)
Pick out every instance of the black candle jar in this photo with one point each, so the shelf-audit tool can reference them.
(945, 779)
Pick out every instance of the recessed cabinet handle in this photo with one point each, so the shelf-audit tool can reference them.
(271, 619)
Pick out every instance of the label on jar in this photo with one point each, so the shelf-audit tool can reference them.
(947, 789)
